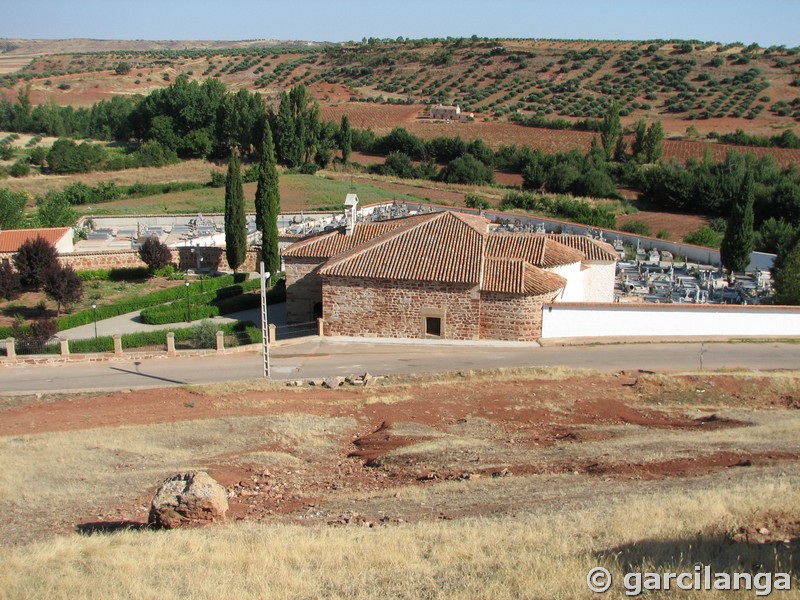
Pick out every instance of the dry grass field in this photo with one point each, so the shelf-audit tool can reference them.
(508, 484)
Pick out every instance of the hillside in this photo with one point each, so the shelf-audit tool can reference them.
(709, 86)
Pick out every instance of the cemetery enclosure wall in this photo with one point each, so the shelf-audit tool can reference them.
(598, 320)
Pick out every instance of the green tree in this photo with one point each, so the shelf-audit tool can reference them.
(610, 130)
(268, 203)
(235, 221)
(12, 205)
(345, 138)
(787, 277)
(653, 142)
(467, 169)
(739, 239)
(54, 210)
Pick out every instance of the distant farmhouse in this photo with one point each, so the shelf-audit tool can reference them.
(441, 275)
(449, 113)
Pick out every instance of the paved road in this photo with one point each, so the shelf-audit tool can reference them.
(318, 358)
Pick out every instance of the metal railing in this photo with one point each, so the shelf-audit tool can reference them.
(296, 330)
(29, 347)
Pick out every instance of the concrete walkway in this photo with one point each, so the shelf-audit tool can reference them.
(132, 323)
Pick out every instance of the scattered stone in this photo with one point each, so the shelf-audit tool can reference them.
(430, 476)
(192, 498)
(503, 473)
(764, 531)
(332, 382)
(316, 382)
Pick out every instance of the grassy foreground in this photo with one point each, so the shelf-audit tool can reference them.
(530, 556)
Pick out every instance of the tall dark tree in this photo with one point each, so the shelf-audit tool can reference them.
(787, 277)
(33, 260)
(638, 146)
(739, 240)
(63, 286)
(345, 138)
(653, 142)
(611, 130)
(268, 203)
(235, 220)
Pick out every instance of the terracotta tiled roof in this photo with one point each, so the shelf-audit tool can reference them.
(535, 249)
(12, 239)
(443, 246)
(331, 243)
(516, 276)
(450, 247)
(592, 249)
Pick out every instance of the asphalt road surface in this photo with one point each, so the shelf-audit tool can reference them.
(319, 358)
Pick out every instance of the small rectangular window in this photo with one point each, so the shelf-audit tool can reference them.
(433, 326)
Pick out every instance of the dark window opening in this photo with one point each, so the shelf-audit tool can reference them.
(318, 310)
(433, 326)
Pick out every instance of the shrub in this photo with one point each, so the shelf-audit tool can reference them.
(34, 337)
(705, 236)
(475, 201)
(21, 168)
(637, 227)
(204, 334)
(155, 254)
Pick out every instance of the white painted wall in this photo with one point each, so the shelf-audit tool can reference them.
(598, 281)
(668, 320)
(573, 291)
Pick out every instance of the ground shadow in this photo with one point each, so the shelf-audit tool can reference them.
(724, 554)
(109, 527)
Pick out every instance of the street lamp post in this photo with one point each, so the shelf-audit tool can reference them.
(264, 322)
(94, 311)
(201, 275)
(188, 306)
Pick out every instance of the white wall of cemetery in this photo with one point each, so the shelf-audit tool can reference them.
(574, 320)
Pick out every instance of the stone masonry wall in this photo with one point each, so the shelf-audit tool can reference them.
(183, 258)
(511, 317)
(379, 308)
(303, 288)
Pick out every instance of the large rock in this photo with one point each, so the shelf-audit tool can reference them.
(192, 498)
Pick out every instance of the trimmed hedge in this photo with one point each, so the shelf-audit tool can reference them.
(176, 312)
(160, 297)
(120, 274)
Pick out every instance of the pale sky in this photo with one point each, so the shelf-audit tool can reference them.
(766, 22)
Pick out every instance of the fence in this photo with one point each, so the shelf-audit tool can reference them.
(296, 330)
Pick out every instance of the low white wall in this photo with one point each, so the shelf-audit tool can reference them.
(573, 320)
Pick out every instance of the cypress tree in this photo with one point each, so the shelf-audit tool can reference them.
(739, 240)
(638, 147)
(345, 138)
(268, 203)
(653, 142)
(787, 277)
(611, 130)
(235, 221)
